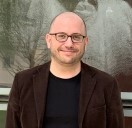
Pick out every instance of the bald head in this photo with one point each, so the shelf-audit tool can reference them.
(67, 17)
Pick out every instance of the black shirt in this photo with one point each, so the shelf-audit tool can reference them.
(62, 102)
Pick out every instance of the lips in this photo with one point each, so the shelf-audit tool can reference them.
(68, 50)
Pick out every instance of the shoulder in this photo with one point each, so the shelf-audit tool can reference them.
(24, 79)
(104, 82)
(103, 79)
(94, 72)
(28, 73)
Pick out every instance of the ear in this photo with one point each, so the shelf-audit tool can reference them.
(86, 40)
(48, 40)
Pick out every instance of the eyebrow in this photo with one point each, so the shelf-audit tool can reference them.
(66, 33)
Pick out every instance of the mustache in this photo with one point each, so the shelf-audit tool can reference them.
(68, 49)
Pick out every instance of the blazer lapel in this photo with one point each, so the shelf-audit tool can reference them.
(86, 90)
(40, 82)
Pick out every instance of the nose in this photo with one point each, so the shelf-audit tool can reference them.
(69, 42)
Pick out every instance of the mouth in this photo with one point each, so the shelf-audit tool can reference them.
(71, 50)
(68, 51)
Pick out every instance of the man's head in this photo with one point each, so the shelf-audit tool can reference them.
(67, 38)
(64, 14)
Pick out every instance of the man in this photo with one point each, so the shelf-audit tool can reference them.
(65, 93)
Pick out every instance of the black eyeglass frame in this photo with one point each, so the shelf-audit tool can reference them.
(71, 36)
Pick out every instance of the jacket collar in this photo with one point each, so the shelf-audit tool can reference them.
(40, 82)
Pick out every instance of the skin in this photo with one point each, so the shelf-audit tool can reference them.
(66, 56)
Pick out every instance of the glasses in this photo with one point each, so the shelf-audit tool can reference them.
(62, 37)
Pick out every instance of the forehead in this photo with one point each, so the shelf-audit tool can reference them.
(68, 22)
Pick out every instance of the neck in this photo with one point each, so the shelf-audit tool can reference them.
(65, 70)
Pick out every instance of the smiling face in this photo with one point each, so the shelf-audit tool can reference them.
(66, 52)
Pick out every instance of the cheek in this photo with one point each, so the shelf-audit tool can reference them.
(82, 48)
(54, 46)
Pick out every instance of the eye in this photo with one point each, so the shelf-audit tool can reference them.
(77, 37)
(61, 36)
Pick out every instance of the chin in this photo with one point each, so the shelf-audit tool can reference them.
(73, 61)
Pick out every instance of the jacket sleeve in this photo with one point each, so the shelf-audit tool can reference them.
(115, 116)
(13, 109)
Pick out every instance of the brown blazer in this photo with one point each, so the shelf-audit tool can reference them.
(100, 105)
